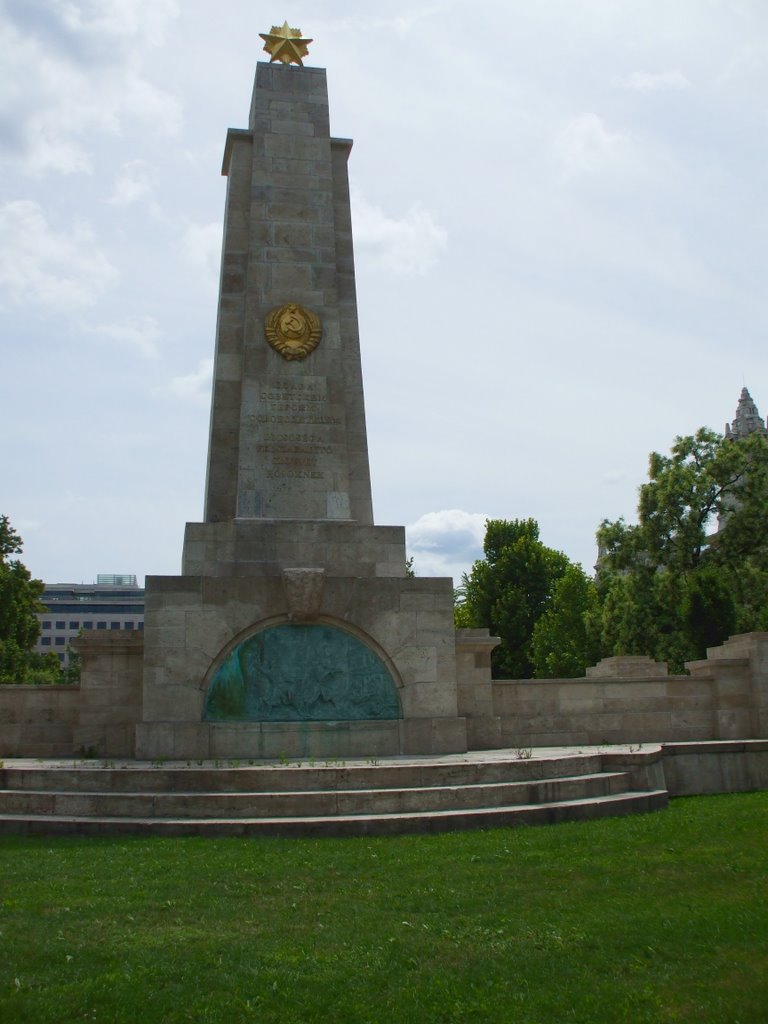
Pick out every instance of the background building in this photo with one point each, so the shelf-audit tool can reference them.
(747, 419)
(112, 602)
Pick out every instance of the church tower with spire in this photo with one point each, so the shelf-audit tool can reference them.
(747, 419)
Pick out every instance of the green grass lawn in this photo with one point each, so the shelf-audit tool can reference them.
(658, 918)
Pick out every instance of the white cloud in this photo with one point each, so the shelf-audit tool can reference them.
(140, 333)
(146, 20)
(586, 145)
(408, 246)
(446, 543)
(202, 246)
(82, 76)
(133, 182)
(193, 387)
(648, 81)
(60, 270)
(27, 525)
(748, 62)
(144, 101)
(405, 23)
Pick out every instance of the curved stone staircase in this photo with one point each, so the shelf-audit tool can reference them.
(482, 789)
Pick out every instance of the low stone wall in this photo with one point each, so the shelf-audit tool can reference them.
(564, 712)
(621, 700)
(474, 688)
(112, 670)
(724, 766)
(277, 740)
(38, 721)
(99, 716)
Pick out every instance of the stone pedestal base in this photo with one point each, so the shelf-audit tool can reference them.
(194, 623)
(297, 740)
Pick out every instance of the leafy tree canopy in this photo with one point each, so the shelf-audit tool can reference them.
(19, 601)
(675, 584)
(10, 541)
(690, 573)
(509, 590)
(705, 479)
(566, 638)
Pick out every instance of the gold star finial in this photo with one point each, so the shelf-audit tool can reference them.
(285, 44)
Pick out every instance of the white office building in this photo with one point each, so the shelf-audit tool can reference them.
(112, 602)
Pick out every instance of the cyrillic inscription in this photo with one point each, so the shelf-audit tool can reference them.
(294, 454)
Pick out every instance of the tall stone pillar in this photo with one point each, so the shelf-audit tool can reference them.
(293, 627)
(287, 431)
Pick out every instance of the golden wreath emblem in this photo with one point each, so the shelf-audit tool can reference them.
(292, 330)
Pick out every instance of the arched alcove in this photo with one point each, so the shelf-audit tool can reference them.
(301, 673)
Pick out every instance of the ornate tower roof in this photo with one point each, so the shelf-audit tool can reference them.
(747, 419)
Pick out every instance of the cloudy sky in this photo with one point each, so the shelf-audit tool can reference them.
(561, 241)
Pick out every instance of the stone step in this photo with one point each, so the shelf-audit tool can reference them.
(138, 777)
(476, 790)
(344, 825)
(310, 803)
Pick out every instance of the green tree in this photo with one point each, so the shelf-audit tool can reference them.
(509, 590)
(705, 478)
(44, 668)
(19, 601)
(640, 614)
(707, 609)
(566, 638)
(749, 586)
(71, 674)
(743, 537)
(674, 584)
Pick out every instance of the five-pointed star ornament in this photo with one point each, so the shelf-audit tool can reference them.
(285, 44)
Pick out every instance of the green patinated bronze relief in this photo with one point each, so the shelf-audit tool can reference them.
(301, 673)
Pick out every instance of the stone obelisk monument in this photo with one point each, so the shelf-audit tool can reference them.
(293, 628)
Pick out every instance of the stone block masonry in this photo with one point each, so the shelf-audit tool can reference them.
(622, 700)
(288, 492)
(97, 717)
(288, 439)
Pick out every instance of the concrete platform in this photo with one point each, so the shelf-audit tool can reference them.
(387, 796)
(360, 797)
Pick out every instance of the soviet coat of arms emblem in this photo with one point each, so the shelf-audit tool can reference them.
(292, 330)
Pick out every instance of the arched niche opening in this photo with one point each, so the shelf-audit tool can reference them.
(308, 672)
